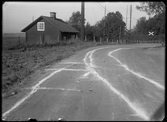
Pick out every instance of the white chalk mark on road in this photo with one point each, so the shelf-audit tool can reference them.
(133, 72)
(88, 60)
(69, 69)
(34, 89)
(71, 63)
(49, 88)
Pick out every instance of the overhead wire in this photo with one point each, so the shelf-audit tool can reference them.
(69, 11)
(94, 14)
(99, 6)
(109, 11)
(116, 16)
(103, 7)
(134, 18)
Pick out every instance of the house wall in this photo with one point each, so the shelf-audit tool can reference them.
(49, 35)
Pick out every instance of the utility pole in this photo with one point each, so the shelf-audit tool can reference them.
(33, 18)
(105, 12)
(130, 16)
(127, 17)
(120, 35)
(82, 21)
(104, 23)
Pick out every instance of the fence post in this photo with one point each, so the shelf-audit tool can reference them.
(64, 38)
(18, 40)
(40, 40)
(58, 38)
(100, 40)
(85, 38)
(76, 37)
(94, 39)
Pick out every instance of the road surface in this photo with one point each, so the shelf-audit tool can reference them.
(106, 83)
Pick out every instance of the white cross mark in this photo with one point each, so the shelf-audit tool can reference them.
(151, 33)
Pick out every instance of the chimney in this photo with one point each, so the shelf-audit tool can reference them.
(53, 15)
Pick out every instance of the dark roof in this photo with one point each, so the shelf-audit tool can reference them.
(58, 23)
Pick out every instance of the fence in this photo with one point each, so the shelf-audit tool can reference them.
(133, 38)
(19, 42)
(9, 42)
(136, 38)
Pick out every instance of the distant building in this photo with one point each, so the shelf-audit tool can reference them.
(48, 30)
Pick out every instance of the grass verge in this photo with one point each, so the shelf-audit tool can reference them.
(20, 62)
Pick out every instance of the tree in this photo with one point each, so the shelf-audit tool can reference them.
(141, 26)
(114, 24)
(75, 20)
(160, 23)
(156, 23)
(152, 8)
(89, 31)
(99, 28)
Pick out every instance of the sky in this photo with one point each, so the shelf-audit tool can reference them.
(17, 15)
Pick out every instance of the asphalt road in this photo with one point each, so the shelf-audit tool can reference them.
(117, 82)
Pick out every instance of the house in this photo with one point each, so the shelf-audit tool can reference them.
(48, 30)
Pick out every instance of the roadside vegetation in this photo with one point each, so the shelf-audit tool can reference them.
(113, 28)
(20, 61)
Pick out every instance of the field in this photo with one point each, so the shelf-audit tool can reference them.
(13, 39)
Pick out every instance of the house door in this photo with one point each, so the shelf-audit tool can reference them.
(42, 39)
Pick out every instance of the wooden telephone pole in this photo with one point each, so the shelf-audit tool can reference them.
(82, 21)
(33, 18)
(104, 33)
(130, 16)
(127, 17)
(119, 35)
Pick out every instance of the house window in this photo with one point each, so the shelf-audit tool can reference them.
(40, 26)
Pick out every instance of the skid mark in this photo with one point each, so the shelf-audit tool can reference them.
(49, 88)
(71, 63)
(69, 69)
(133, 72)
(86, 74)
(88, 60)
(34, 89)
